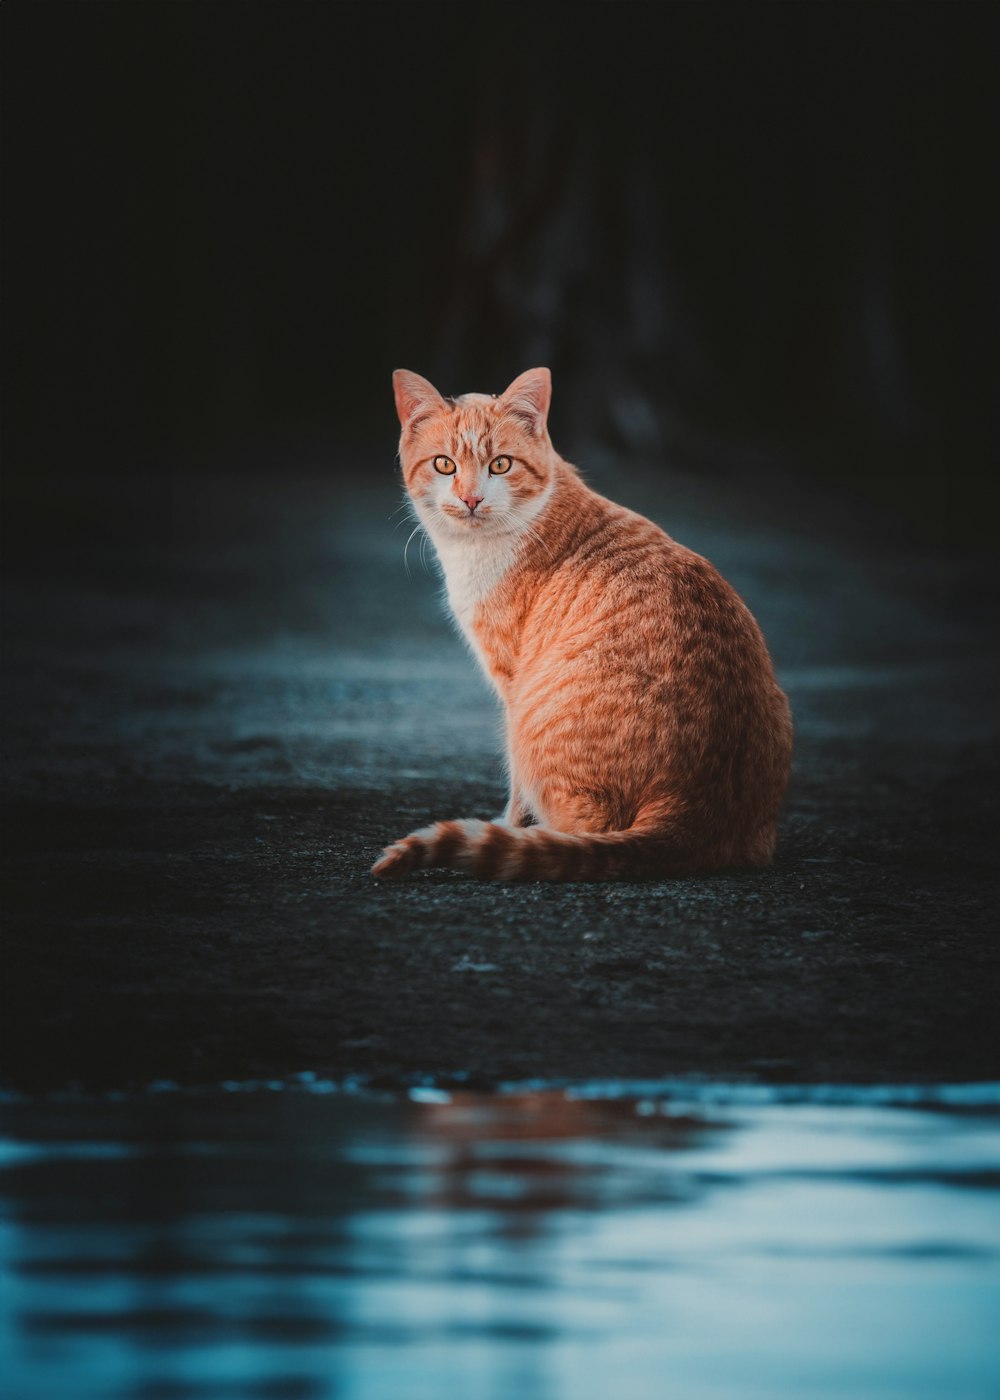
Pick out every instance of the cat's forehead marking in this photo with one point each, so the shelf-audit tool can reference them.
(469, 435)
(471, 429)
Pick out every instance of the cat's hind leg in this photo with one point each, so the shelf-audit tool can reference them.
(580, 812)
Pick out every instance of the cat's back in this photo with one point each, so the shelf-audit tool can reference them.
(618, 584)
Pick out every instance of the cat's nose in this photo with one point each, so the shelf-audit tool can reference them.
(472, 501)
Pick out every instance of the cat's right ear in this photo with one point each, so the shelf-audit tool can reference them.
(416, 397)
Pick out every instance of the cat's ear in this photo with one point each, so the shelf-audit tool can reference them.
(416, 397)
(528, 399)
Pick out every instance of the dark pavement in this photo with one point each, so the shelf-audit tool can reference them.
(224, 695)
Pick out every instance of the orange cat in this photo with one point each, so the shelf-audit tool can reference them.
(646, 733)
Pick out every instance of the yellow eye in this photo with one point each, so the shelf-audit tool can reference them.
(444, 465)
(501, 465)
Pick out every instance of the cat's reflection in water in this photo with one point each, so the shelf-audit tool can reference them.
(527, 1155)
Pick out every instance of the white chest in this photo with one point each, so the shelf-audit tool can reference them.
(472, 569)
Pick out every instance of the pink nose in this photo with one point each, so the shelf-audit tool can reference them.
(472, 501)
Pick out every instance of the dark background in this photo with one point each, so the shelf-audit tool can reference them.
(753, 227)
(755, 244)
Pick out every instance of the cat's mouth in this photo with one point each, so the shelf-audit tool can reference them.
(468, 519)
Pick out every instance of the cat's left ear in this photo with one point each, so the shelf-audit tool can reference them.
(528, 399)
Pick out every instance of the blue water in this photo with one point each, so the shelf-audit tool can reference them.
(660, 1240)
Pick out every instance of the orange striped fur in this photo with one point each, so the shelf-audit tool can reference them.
(646, 733)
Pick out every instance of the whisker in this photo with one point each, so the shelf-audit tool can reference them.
(406, 563)
(535, 534)
(508, 516)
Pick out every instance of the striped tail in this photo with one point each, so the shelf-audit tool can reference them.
(493, 852)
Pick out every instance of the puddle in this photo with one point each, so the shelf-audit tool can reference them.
(696, 1240)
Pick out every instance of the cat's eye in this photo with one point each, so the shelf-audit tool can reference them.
(500, 465)
(444, 465)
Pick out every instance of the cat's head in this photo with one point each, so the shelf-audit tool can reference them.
(476, 463)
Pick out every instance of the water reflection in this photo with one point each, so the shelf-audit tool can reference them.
(538, 1244)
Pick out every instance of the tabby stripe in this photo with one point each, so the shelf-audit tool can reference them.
(491, 852)
(449, 840)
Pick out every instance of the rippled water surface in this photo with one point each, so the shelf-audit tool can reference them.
(662, 1241)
